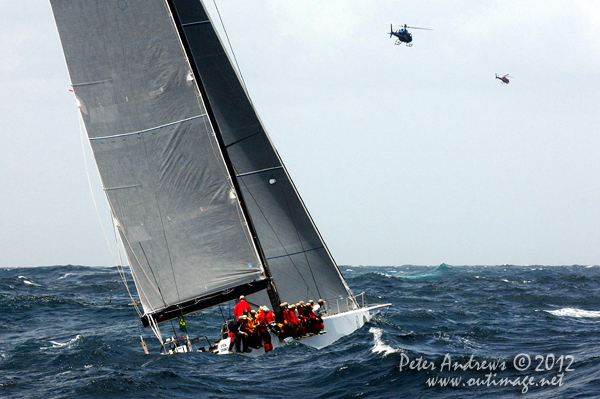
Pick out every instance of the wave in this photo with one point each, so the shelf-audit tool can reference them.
(572, 312)
(26, 281)
(428, 273)
(67, 344)
(379, 346)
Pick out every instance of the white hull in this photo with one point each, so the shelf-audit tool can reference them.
(336, 327)
(340, 325)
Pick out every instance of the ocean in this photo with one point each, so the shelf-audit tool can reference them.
(451, 332)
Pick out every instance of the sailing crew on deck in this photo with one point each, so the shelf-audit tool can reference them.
(294, 325)
(319, 311)
(240, 307)
(319, 308)
(245, 333)
(312, 324)
(254, 340)
(237, 336)
(300, 315)
(285, 329)
(262, 321)
(279, 317)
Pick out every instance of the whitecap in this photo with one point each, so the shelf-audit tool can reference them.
(63, 344)
(28, 282)
(379, 346)
(572, 312)
(65, 276)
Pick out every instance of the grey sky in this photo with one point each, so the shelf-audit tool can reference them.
(402, 155)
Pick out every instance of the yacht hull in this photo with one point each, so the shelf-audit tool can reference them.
(336, 327)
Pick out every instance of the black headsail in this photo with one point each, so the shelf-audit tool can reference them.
(297, 256)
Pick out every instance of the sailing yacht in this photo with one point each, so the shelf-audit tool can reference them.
(201, 201)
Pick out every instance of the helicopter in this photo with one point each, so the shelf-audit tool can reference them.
(504, 79)
(403, 35)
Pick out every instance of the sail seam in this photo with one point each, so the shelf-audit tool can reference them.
(296, 253)
(258, 171)
(148, 130)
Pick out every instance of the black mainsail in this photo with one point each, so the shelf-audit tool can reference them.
(204, 207)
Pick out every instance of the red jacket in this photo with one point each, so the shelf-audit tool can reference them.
(240, 307)
(290, 317)
(261, 319)
(309, 312)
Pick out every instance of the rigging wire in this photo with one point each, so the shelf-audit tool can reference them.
(87, 171)
(300, 239)
(222, 315)
(275, 234)
(118, 261)
(232, 52)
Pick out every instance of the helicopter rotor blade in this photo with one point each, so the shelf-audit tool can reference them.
(414, 27)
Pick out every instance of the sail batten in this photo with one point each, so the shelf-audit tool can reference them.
(259, 171)
(195, 23)
(149, 129)
(295, 253)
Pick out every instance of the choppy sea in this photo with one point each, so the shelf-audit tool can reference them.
(452, 332)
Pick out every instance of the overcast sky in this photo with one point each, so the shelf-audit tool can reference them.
(402, 155)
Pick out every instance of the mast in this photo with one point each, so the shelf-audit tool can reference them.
(271, 287)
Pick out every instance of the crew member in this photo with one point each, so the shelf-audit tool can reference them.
(238, 336)
(261, 327)
(294, 327)
(240, 307)
(244, 332)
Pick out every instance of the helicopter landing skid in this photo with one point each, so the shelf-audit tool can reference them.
(399, 42)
